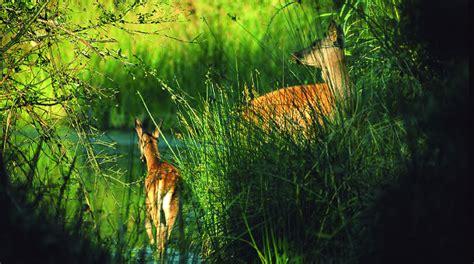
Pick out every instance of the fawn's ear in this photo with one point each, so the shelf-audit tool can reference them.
(156, 132)
(138, 127)
(333, 31)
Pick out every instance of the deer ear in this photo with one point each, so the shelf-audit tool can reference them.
(156, 133)
(333, 31)
(138, 127)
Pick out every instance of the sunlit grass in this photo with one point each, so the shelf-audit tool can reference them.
(273, 191)
(249, 194)
(232, 42)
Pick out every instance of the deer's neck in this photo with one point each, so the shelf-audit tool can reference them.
(152, 160)
(336, 76)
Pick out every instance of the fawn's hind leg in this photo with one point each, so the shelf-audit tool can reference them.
(149, 229)
(148, 221)
(182, 241)
(160, 222)
(171, 209)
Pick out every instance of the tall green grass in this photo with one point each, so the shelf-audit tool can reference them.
(251, 194)
(282, 196)
(233, 42)
(55, 184)
(275, 191)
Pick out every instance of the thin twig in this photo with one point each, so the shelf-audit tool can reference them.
(53, 24)
(67, 98)
(23, 30)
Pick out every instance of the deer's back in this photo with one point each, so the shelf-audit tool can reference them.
(297, 103)
(164, 172)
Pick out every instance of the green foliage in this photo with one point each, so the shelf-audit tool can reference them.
(250, 194)
(288, 196)
(56, 168)
(233, 42)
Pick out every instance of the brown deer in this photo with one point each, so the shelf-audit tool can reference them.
(298, 105)
(161, 189)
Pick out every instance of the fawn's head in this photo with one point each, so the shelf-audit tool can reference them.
(323, 51)
(147, 143)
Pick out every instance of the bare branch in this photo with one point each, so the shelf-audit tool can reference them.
(23, 30)
(44, 103)
(53, 24)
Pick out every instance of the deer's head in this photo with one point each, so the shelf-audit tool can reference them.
(147, 143)
(323, 51)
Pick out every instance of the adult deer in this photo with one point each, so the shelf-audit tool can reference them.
(162, 190)
(299, 105)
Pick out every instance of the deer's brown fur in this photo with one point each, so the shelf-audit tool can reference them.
(298, 105)
(161, 188)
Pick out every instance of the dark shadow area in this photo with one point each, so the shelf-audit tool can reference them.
(425, 217)
(29, 236)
